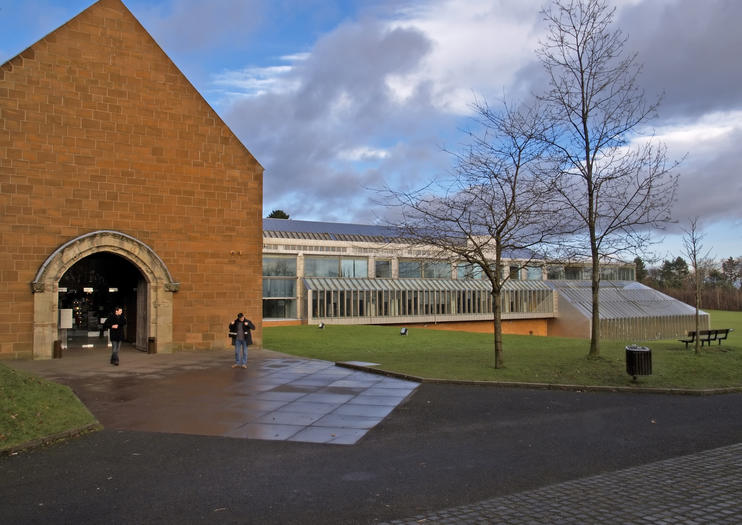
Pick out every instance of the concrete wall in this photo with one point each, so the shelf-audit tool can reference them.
(99, 130)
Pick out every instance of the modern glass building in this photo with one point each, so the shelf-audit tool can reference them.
(319, 272)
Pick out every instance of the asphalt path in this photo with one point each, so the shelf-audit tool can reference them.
(447, 445)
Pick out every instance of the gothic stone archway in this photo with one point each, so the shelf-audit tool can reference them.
(160, 286)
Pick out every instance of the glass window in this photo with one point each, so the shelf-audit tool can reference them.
(383, 269)
(281, 266)
(515, 273)
(410, 269)
(534, 273)
(321, 267)
(354, 268)
(437, 270)
(626, 274)
(555, 273)
(279, 287)
(573, 273)
(279, 308)
(469, 271)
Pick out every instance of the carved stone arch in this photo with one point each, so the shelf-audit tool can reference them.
(160, 286)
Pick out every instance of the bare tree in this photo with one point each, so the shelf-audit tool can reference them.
(616, 187)
(492, 207)
(699, 261)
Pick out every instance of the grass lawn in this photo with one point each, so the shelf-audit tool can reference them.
(470, 356)
(33, 408)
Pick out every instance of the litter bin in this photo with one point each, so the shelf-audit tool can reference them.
(638, 361)
(151, 345)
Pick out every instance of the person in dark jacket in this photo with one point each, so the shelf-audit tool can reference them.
(239, 331)
(115, 324)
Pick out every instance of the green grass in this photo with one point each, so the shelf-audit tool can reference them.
(470, 356)
(32, 408)
(723, 319)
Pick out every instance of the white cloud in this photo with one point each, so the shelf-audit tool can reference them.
(255, 81)
(363, 153)
(476, 49)
(705, 132)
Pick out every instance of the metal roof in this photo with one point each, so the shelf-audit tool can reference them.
(348, 284)
(336, 231)
(620, 299)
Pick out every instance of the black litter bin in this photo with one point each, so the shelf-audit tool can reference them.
(638, 361)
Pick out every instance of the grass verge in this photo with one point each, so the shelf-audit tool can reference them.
(532, 359)
(33, 409)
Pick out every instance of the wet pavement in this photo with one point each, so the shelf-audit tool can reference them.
(447, 454)
(277, 397)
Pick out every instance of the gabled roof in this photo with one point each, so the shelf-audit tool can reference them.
(99, 27)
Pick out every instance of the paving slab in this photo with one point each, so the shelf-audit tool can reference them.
(277, 397)
(693, 489)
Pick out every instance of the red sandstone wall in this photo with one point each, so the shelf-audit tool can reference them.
(100, 130)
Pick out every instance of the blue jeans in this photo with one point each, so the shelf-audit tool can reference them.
(115, 351)
(237, 345)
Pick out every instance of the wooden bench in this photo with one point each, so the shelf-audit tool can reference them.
(706, 336)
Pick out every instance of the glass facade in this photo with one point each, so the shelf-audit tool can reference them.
(436, 270)
(354, 268)
(337, 298)
(617, 274)
(280, 266)
(469, 271)
(322, 266)
(534, 273)
(383, 268)
(340, 288)
(279, 287)
(409, 269)
(555, 273)
(575, 273)
(335, 267)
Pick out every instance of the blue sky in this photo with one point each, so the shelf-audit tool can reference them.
(337, 97)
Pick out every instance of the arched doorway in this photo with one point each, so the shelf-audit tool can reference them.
(90, 290)
(154, 290)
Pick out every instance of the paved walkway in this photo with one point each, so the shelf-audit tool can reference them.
(699, 488)
(277, 397)
(547, 456)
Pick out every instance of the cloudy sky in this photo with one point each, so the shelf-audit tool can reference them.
(336, 97)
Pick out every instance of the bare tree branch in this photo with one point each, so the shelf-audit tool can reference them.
(615, 187)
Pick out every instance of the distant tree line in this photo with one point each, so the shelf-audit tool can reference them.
(721, 281)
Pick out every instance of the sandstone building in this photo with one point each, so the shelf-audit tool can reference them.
(115, 171)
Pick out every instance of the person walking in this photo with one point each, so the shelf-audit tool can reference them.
(239, 331)
(115, 325)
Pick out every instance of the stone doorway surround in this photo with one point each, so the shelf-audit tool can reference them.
(159, 296)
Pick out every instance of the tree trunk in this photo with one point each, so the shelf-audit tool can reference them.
(595, 325)
(698, 305)
(497, 311)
